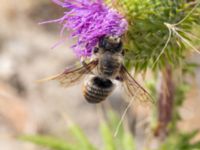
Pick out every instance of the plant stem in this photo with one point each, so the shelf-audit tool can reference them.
(165, 102)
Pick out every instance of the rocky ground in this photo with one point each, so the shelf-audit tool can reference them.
(26, 56)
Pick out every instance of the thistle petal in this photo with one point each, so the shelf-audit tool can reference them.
(88, 21)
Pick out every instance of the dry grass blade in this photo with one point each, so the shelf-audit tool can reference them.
(165, 46)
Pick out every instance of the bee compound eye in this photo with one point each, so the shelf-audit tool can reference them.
(102, 41)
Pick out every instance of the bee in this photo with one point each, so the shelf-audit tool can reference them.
(104, 68)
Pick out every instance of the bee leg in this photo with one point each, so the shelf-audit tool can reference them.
(119, 78)
(85, 65)
(96, 50)
(124, 51)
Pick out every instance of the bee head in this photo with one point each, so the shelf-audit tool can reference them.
(111, 43)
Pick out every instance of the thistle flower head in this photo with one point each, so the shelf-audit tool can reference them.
(88, 21)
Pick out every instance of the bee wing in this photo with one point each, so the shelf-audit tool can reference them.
(72, 75)
(134, 90)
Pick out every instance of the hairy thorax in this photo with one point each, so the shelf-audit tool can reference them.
(109, 65)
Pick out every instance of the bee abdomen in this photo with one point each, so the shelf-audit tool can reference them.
(97, 89)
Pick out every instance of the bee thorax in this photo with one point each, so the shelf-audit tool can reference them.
(109, 66)
(97, 89)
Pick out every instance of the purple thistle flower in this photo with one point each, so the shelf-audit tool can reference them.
(88, 21)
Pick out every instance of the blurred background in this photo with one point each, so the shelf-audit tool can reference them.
(27, 107)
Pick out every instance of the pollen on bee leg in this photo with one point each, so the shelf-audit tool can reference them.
(84, 90)
(82, 59)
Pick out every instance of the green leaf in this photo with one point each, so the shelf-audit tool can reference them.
(82, 139)
(128, 142)
(108, 137)
(49, 142)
